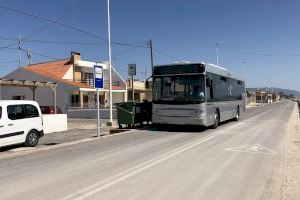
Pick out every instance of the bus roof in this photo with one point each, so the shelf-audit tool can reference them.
(209, 68)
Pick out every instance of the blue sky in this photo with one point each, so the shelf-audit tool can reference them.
(263, 33)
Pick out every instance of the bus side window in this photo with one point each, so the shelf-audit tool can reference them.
(209, 90)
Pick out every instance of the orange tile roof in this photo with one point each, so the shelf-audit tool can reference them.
(56, 70)
(116, 88)
(51, 69)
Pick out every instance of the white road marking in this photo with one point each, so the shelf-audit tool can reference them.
(234, 126)
(89, 191)
(255, 148)
(97, 187)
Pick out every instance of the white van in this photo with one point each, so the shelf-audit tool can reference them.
(20, 122)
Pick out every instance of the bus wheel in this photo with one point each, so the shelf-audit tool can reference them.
(237, 115)
(216, 120)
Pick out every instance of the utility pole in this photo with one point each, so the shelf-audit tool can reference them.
(217, 52)
(151, 55)
(244, 63)
(132, 73)
(110, 66)
(28, 53)
(19, 49)
(132, 88)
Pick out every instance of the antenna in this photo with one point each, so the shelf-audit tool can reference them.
(28, 53)
(19, 49)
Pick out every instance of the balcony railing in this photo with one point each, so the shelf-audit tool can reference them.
(91, 82)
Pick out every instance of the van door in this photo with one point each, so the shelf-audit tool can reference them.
(16, 123)
(3, 127)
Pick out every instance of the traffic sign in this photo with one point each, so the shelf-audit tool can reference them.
(98, 77)
(132, 69)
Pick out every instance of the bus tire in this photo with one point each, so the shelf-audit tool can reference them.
(216, 119)
(237, 115)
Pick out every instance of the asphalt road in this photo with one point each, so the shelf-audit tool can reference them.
(239, 160)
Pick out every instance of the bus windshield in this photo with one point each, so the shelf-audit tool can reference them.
(181, 89)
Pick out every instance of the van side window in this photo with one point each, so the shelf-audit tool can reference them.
(0, 112)
(31, 111)
(15, 112)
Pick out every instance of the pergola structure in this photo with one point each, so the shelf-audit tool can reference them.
(33, 85)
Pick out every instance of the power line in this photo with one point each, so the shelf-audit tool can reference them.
(53, 41)
(165, 54)
(8, 62)
(46, 19)
(47, 26)
(39, 54)
(125, 51)
(67, 26)
(259, 54)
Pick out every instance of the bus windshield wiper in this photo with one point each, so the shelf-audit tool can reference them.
(166, 98)
(192, 99)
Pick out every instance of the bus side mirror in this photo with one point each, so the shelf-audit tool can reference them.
(147, 84)
(208, 82)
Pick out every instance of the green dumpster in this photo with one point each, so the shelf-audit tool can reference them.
(128, 114)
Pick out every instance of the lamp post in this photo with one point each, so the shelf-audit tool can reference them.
(217, 52)
(109, 65)
(244, 73)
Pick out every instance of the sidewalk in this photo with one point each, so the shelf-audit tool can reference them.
(291, 183)
(79, 130)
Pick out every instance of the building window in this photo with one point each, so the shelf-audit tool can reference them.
(18, 98)
(74, 100)
(136, 96)
(87, 78)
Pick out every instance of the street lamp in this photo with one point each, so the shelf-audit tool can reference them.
(217, 52)
(109, 65)
(244, 73)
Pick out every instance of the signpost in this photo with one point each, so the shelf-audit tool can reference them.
(98, 84)
(132, 72)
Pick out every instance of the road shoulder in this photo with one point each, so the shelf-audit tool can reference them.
(291, 182)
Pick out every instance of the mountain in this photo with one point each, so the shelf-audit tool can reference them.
(277, 90)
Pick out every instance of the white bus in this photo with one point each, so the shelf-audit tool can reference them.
(196, 94)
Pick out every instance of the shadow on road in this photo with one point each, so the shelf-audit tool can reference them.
(8, 148)
(177, 128)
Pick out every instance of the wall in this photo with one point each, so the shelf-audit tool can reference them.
(117, 97)
(90, 113)
(55, 123)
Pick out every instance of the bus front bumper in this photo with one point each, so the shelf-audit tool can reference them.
(178, 120)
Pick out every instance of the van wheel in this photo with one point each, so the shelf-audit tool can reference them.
(237, 115)
(32, 138)
(216, 120)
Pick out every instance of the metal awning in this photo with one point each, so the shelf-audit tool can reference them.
(25, 83)
(33, 85)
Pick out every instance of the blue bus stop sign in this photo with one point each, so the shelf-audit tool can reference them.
(98, 77)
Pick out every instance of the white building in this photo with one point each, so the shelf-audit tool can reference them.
(74, 78)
